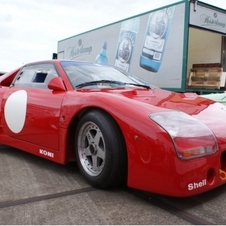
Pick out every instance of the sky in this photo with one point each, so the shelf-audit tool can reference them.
(31, 29)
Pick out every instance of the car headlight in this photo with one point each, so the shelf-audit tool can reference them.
(192, 139)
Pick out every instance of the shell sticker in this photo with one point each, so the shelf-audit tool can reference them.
(15, 110)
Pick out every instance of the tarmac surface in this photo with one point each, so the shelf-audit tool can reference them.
(35, 191)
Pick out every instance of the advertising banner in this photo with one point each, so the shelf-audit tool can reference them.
(208, 18)
(149, 46)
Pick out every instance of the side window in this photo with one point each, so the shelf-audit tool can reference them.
(35, 75)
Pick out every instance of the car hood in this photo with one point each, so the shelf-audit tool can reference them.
(211, 113)
(189, 103)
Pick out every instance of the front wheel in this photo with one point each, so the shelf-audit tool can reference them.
(100, 150)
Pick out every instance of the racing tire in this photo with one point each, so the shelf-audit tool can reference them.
(100, 150)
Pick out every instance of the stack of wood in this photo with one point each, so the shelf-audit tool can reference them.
(205, 76)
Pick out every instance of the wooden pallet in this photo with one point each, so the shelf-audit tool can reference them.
(205, 78)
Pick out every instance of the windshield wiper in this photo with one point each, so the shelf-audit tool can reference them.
(137, 84)
(110, 81)
(98, 81)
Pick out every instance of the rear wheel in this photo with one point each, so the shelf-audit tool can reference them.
(100, 150)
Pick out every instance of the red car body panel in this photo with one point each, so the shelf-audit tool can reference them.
(153, 164)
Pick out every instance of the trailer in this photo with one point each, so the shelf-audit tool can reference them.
(179, 47)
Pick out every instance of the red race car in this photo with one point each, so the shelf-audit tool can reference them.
(117, 127)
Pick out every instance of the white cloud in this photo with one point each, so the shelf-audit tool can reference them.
(30, 29)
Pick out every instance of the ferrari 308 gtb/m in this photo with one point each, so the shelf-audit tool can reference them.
(118, 128)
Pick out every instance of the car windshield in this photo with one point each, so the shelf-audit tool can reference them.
(85, 75)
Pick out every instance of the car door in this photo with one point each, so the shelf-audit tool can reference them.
(31, 110)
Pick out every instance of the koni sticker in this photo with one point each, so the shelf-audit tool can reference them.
(46, 153)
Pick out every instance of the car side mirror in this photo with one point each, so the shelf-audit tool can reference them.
(56, 84)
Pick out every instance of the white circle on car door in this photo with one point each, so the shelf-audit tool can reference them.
(15, 110)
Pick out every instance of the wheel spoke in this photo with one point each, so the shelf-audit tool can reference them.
(95, 163)
(87, 151)
(89, 137)
(97, 138)
(100, 153)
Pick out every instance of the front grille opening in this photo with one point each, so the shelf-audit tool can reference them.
(223, 161)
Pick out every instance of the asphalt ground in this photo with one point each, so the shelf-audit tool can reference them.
(35, 191)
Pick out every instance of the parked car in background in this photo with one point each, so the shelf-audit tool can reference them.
(219, 97)
(117, 127)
